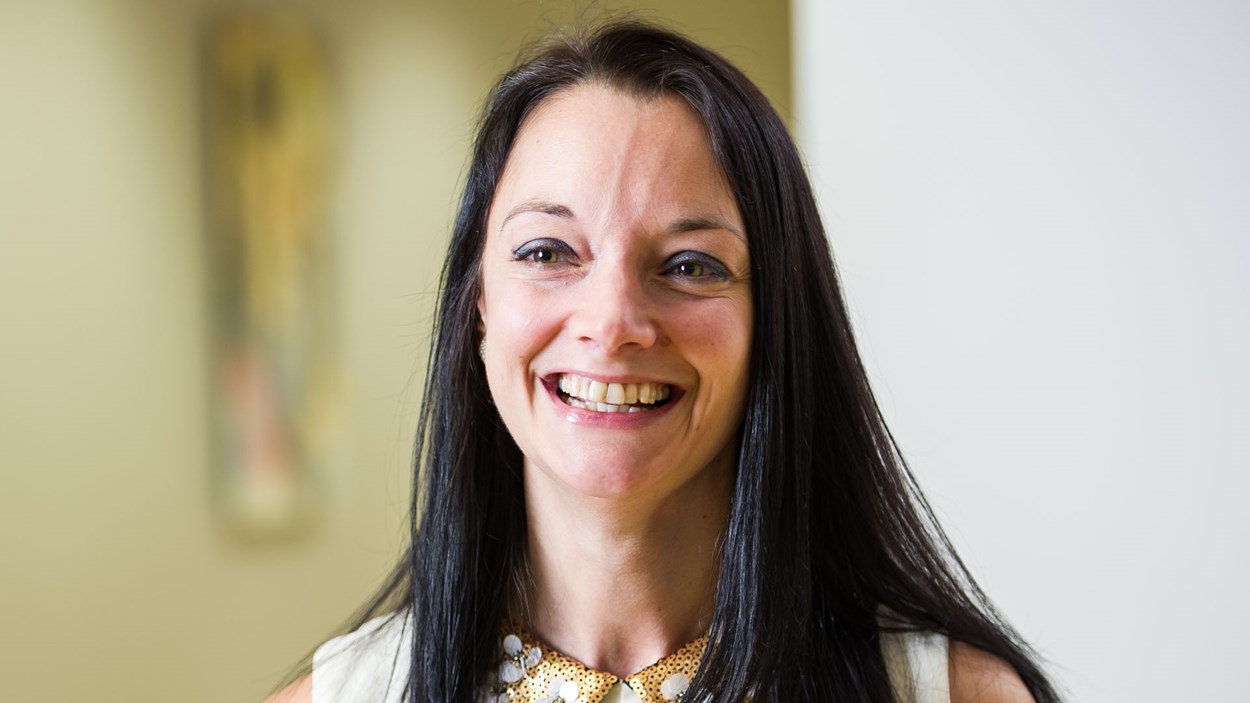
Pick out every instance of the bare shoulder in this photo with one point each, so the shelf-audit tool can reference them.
(298, 692)
(980, 677)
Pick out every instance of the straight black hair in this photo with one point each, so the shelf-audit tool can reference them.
(829, 541)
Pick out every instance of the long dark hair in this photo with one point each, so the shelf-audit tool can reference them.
(827, 530)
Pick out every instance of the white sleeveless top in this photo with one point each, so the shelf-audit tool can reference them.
(370, 665)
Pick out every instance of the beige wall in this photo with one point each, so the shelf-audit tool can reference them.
(115, 583)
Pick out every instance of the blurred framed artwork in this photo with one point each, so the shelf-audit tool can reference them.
(273, 373)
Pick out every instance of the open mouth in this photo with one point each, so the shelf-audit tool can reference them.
(597, 396)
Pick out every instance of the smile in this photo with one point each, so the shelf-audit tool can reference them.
(598, 396)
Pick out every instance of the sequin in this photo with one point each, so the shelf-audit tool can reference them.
(537, 674)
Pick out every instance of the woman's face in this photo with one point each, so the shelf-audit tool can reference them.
(616, 299)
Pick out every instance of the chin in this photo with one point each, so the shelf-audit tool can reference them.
(595, 477)
(607, 481)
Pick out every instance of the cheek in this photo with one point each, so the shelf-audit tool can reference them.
(716, 340)
(518, 324)
(721, 333)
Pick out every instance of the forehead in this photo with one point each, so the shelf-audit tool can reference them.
(604, 153)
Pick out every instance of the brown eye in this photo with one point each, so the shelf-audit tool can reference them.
(544, 256)
(695, 267)
(545, 251)
(692, 269)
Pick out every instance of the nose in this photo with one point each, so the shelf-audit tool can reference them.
(614, 312)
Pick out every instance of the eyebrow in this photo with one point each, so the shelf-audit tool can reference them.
(543, 206)
(680, 225)
(699, 224)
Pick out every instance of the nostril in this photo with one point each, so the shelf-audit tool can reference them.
(614, 330)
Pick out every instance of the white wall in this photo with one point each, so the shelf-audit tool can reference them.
(1040, 214)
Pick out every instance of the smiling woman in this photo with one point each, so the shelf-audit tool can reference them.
(651, 467)
(628, 289)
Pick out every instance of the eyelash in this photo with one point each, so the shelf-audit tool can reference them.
(712, 270)
(533, 248)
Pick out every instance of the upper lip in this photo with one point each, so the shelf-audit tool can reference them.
(554, 376)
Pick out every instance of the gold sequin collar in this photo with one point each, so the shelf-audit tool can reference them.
(531, 672)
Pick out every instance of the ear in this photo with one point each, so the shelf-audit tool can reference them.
(481, 314)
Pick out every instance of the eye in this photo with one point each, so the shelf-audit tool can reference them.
(696, 266)
(544, 256)
(543, 252)
(693, 269)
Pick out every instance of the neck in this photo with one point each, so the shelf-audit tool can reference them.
(619, 583)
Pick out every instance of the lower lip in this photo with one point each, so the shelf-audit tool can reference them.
(621, 421)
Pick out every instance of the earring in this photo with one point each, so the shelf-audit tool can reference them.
(481, 350)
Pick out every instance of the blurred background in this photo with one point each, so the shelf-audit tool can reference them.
(221, 225)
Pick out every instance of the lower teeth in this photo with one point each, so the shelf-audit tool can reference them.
(602, 407)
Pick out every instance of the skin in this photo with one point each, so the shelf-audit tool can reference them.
(641, 274)
(298, 692)
(977, 676)
(624, 520)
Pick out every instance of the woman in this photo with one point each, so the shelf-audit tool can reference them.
(650, 465)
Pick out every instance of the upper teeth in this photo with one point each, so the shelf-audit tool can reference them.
(613, 393)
